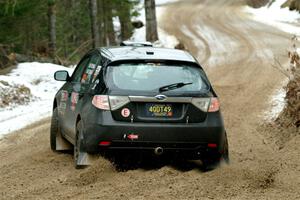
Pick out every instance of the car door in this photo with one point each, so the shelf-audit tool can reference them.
(72, 86)
(80, 84)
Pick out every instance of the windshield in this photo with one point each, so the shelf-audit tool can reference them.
(153, 76)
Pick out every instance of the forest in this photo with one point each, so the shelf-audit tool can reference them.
(63, 30)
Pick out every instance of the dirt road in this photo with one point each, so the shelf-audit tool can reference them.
(236, 52)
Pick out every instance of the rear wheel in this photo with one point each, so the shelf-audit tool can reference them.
(225, 155)
(78, 146)
(213, 163)
(81, 157)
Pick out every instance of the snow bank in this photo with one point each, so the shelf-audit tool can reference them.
(165, 39)
(38, 77)
(274, 15)
(163, 2)
(277, 103)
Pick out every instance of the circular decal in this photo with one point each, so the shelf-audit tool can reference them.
(125, 112)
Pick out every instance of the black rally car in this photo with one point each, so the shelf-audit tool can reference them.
(138, 98)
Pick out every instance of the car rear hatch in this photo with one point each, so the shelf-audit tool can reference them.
(156, 92)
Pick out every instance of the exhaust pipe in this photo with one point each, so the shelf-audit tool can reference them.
(158, 151)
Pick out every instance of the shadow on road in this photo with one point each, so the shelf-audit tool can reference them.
(124, 162)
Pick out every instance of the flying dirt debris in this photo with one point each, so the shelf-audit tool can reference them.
(236, 52)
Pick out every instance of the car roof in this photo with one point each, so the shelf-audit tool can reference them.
(145, 53)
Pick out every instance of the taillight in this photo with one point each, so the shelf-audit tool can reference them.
(101, 102)
(201, 103)
(117, 102)
(214, 105)
(105, 102)
(207, 104)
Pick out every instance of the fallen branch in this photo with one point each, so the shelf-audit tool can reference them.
(83, 45)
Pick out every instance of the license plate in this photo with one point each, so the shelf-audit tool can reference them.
(159, 110)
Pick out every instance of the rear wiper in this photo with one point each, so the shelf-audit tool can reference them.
(173, 86)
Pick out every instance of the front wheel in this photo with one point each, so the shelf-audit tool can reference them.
(54, 129)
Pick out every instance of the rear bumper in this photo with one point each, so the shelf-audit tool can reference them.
(192, 139)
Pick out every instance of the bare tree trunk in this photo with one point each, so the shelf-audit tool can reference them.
(106, 23)
(151, 24)
(124, 16)
(94, 23)
(110, 26)
(52, 27)
(101, 19)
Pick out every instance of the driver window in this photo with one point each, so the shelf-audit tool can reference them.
(88, 74)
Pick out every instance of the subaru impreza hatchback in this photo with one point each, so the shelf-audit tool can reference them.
(138, 98)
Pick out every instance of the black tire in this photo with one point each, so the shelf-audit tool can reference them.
(213, 163)
(78, 145)
(54, 129)
(225, 155)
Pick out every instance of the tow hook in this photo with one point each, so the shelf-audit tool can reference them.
(158, 151)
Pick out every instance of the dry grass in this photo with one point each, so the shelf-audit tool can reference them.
(257, 3)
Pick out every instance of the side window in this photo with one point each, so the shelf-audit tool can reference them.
(90, 70)
(97, 71)
(76, 77)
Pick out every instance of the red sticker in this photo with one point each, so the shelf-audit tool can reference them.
(74, 100)
(125, 112)
(133, 137)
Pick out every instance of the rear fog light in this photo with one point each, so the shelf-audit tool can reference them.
(104, 143)
(212, 145)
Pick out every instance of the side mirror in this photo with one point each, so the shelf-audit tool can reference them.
(61, 75)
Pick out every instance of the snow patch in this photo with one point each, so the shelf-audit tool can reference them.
(163, 2)
(274, 15)
(277, 103)
(38, 77)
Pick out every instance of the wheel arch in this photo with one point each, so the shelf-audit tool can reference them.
(78, 118)
(54, 103)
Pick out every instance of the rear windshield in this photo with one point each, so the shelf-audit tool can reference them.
(152, 76)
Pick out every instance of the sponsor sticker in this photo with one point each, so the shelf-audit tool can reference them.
(64, 95)
(91, 66)
(74, 100)
(62, 108)
(125, 112)
(96, 72)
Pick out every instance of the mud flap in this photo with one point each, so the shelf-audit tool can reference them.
(85, 159)
(62, 144)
